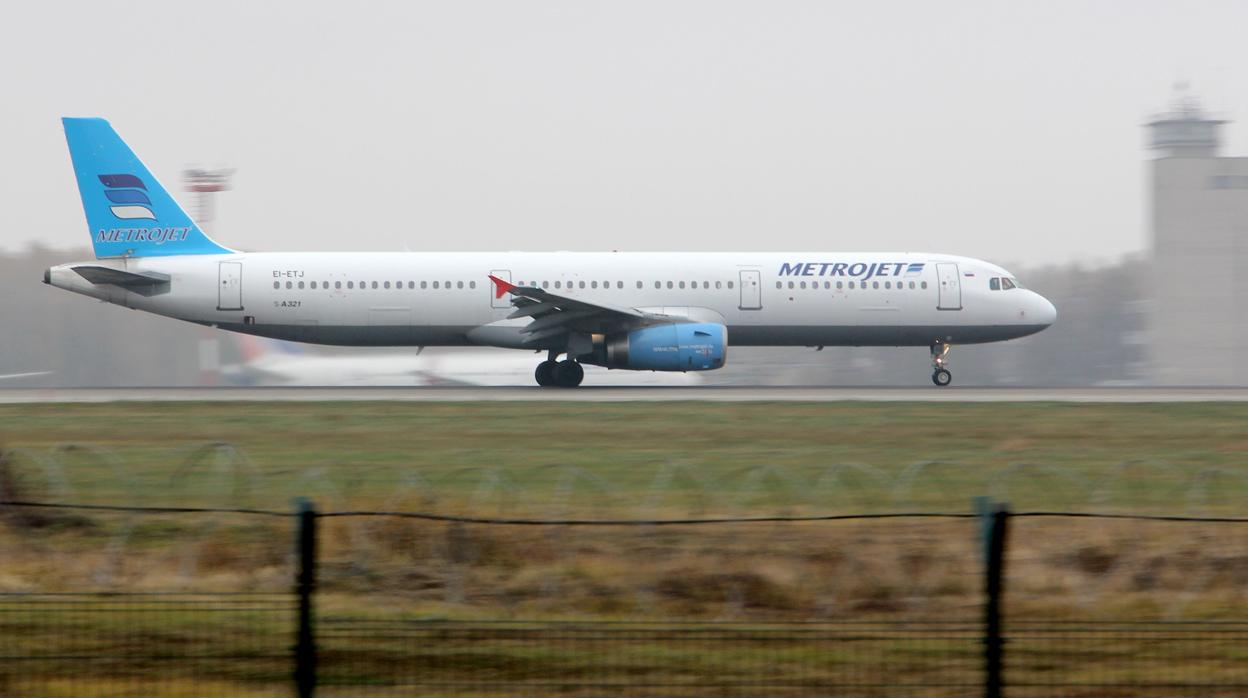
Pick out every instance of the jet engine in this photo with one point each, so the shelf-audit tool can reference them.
(685, 346)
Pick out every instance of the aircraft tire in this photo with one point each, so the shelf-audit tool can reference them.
(942, 377)
(545, 373)
(569, 374)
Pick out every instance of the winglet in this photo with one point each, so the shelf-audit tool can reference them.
(500, 286)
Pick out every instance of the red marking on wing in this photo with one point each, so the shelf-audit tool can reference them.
(500, 286)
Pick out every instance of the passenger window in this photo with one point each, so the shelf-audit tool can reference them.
(338, 285)
(875, 284)
(803, 284)
(791, 284)
(682, 284)
(277, 284)
(729, 284)
(545, 284)
(459, 284)
(447, 285)
(593, 284)
(385, 284)
(888, 284)
(779, 284)
(851, 284)
(669, 284)
(840, 285)
(435, 284)
(424, 284)
(301, 285)
(923, 285)
(582, 284)
(994, 284)
(472, 284)
(719, 284)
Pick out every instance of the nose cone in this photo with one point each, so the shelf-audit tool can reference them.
(1042, 311)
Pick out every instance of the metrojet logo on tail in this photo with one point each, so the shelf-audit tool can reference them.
(861, 270)
(128, 195)
(157, 235)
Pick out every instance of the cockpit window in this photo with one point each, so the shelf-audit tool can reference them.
(1007, 283)
(994, 283)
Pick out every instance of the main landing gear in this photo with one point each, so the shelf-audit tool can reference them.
(940, 375)
(565, 374)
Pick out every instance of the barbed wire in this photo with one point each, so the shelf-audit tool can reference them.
(491, 521)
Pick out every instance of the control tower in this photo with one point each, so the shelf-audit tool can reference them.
(1199, 279)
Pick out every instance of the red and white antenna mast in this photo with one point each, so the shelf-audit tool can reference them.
(205, 184)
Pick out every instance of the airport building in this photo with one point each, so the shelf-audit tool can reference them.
(1199, 328)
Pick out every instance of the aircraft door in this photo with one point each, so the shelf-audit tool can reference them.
(751, 289)
(950, 286)
(495, 300)
(230, 286)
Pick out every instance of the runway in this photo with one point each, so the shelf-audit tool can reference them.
(622, 394)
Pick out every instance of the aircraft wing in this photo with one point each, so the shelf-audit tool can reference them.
(554, 315)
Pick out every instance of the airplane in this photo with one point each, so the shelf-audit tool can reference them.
(639, 311)
(18, 376)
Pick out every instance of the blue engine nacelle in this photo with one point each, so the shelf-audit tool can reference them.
(684, 346)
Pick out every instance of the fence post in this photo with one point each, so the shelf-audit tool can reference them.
(994, 644)
(305, 586)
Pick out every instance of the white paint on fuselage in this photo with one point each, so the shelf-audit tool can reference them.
(445, 316)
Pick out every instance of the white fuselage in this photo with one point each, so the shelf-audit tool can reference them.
(446, 299)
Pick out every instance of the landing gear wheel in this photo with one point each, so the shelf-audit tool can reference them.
(942, 377)
(569, 374)
(545, 373)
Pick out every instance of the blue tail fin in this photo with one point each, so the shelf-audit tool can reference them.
(128, 212)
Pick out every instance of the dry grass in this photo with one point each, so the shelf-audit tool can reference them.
(547, 459)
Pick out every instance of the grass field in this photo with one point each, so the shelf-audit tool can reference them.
(619, 457)
(624, 461)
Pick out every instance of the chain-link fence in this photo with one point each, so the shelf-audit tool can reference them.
(104, 600)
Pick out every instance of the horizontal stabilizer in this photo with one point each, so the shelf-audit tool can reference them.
(145, 284)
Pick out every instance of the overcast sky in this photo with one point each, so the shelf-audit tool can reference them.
(1004, 130)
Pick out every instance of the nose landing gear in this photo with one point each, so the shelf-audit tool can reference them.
(940, 375)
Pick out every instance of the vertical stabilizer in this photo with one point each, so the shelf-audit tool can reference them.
(128, 212)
